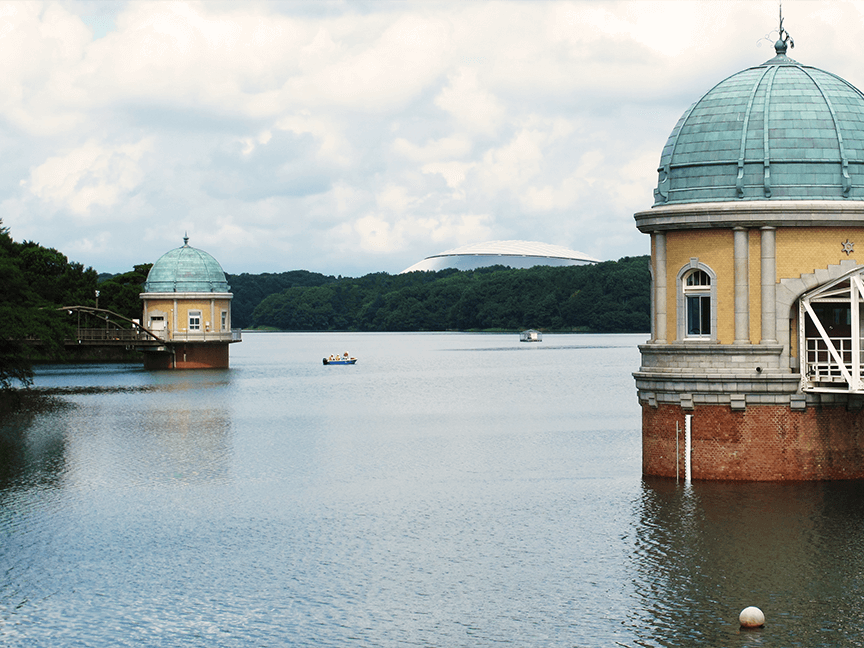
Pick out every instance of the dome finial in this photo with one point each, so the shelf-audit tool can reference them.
(785, 38)
(185, 238)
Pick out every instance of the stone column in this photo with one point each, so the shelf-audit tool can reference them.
(742, 286)
(769, 283)
(659, 287)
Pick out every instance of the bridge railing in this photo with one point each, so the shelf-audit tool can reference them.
(111, 335)
(115, 336)
(234, 335)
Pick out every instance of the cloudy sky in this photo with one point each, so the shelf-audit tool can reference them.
(354, 137)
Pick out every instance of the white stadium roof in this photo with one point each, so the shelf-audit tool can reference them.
(516, 254)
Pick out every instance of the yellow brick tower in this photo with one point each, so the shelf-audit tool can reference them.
(754, 366)
(187, 303)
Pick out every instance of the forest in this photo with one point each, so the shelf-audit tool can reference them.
(35, 282)
(609, 297)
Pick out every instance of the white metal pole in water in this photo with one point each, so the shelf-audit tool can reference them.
(688, 446)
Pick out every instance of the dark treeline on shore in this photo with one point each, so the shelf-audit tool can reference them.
(609, 297)
(35, 282)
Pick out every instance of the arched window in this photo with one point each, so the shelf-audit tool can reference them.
(697, 295)
(697, 302)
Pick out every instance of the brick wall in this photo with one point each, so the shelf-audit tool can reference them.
(190, 356)
(801, 250)
(714, 248)
(201, 356)
(762, 443)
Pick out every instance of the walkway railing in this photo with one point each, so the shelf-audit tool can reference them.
(119, 329)
(820, 364)
(138, 336)
(112, 335)
(234, 335)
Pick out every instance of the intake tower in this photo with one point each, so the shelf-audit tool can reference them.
(754, 366)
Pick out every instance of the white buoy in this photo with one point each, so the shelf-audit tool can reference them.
(751, 617)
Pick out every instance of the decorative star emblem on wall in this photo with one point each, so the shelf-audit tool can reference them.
(848, 247)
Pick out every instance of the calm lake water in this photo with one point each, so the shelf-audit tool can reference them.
(448, 490)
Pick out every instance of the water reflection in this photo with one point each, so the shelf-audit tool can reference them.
(178, 432)
(32, 449)
(170, 430)
(705, 551)
(187, 445)
(463, 498)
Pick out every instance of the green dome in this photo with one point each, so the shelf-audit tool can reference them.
(186, 269)
(777, 131)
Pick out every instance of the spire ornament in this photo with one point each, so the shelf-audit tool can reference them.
(784, 40)
(785, 37)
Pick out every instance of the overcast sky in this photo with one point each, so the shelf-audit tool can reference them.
(355, 137)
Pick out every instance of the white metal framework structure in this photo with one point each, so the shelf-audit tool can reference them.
(829, 335)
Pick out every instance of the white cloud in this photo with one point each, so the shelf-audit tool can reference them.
(394, 198)
(89, 175)
(376, 235)
(380, 76)
(41, 47)
(470, 105)
(456, 229)
(452, 172)
(514, 164)
(334, 146)
(446, 148)
(361, 137)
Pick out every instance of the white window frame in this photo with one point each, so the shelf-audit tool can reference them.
(195, 320)
(705, 293)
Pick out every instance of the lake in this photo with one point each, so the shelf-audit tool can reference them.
(449, 489)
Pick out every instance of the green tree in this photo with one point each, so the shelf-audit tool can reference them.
(121, 293)
(26, 315)
(606, 297)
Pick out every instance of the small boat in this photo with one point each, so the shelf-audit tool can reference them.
(336, 359)
(530, 335)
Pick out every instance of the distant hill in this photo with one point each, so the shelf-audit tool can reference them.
(250, 289)
(613, 296)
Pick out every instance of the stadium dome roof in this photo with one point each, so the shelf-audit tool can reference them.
(777, 131)
(186, 269)
(516, 254)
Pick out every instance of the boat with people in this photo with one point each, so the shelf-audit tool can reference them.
(336, 359)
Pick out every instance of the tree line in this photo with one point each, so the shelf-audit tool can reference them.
(609, 297)
(36, 281)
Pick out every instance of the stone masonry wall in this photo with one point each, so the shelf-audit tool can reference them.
(761, 443)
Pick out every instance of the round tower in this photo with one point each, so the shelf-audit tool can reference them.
(187, 303)
(754, 366)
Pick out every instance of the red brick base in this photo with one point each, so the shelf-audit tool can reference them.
(762, 443)
(190, 356)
